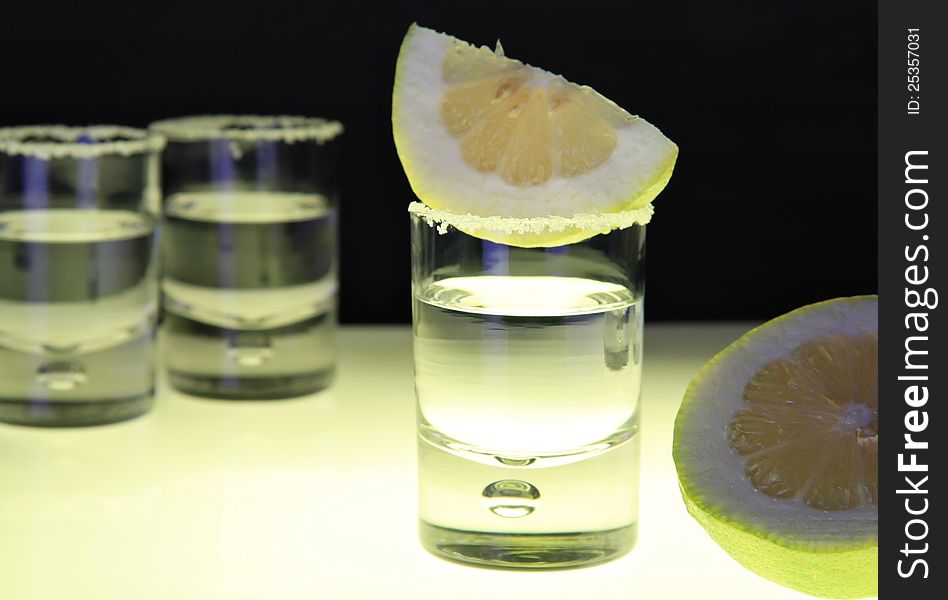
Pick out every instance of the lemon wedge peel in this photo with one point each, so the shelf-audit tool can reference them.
(545, 231)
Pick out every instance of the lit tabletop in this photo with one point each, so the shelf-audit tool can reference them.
(314, 498)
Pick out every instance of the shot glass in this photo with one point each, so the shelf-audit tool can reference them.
(78, 290)
(527, 374)
(249, 254)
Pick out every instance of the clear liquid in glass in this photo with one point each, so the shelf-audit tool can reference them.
(528, 393)
(249, 293)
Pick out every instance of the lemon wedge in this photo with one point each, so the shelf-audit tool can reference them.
(483, 135)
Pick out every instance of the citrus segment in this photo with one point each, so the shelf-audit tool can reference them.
(581, 141)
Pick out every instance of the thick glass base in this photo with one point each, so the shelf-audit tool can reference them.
(538, 513)
(74, 389)
(528, 551)
(37, 413)
(249, 364)
(251, 388)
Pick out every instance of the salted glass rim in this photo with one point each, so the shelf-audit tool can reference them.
(588, 222)
(71, 141)
(250, 128)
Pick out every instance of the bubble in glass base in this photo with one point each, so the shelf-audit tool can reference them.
(511, 498)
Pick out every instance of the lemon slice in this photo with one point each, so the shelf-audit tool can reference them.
(483, 135)
(776, 446)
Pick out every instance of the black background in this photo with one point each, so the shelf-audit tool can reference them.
(773, 105)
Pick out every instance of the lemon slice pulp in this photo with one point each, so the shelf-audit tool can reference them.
(810, 428)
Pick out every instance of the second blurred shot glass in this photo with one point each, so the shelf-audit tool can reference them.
(249, 254)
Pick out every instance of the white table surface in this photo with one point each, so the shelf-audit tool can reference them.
(315, 498)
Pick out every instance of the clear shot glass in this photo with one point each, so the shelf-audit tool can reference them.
(78, 291)
(249, 254)
(527, 372)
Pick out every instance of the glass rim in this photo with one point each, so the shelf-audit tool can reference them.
(593, 223)
(249, 128)
(71, 141)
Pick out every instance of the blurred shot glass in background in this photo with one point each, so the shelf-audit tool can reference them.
(528, 369)
(78, 293)
(249, 254)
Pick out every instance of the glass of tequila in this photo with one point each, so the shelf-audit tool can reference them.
(77, 275)
(249, 254)
(527, 373)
